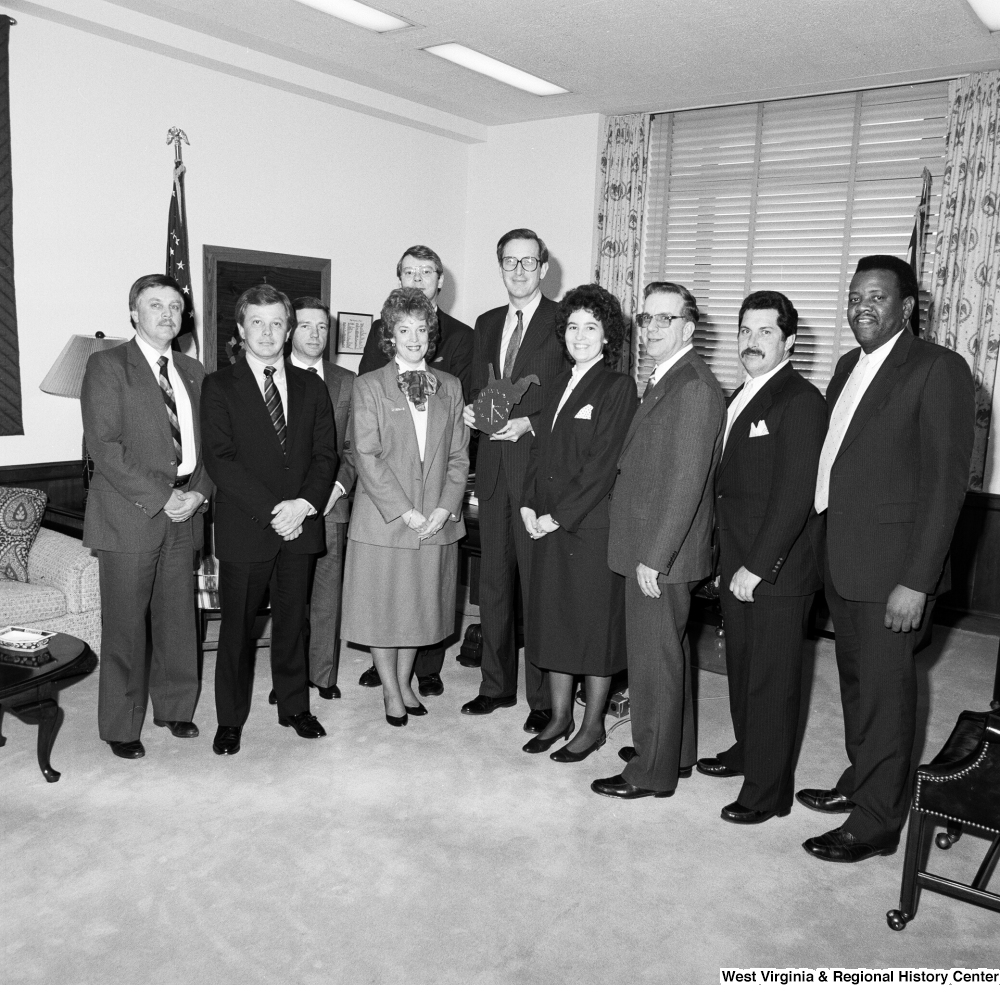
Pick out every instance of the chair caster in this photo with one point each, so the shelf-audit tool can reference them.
(471, 654)
(945, 839)
(896, 919)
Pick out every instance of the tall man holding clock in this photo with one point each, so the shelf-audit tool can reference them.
(518, 339)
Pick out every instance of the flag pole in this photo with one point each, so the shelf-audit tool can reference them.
(178, 264)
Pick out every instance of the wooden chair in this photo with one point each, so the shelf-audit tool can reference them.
(961, 788)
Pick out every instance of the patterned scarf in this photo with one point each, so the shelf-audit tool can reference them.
(417, 384)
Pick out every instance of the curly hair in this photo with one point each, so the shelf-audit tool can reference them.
(604, 306)
(398, 305)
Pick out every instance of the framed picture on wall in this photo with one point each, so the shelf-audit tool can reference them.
(352, 331)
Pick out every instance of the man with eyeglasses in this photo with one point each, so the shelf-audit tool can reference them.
(659, 539)
(518, 339)
(421, 267)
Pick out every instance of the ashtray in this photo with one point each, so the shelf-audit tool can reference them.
(27, 647)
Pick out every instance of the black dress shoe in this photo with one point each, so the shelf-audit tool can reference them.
(327, 693)
(618, 786)
(370, 678)
(841, 846)
(182, 730)
(565, 756)
(538, 720)
(416, 712)
(128, 750)
(482, 705)
(227, 740)
(272, 698)
(712, 767)
(305, 724)
(538, 744)
(397, 721)
(825, 801)
(738, 814)
(628, 753)
(430, 686)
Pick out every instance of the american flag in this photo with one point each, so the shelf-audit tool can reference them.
(178, 263)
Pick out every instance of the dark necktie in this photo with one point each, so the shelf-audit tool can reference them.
(168, 398)
(513, 345)
(313, 369)
(273, 400)
(649, 386)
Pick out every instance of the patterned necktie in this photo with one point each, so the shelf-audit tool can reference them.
(273, 400)
(513, 345)
(839, 423)
(168, 398)
(649, 386)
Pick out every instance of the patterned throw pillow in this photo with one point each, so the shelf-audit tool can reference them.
(21, 512)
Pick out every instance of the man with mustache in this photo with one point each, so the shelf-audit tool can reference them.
(768, 575)
(141, 425)
(891, 482)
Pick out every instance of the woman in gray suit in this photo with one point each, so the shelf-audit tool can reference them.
(410, 448)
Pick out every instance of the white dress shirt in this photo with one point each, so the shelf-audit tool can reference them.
(527, 313)
(185, 416)
(316, 367)
(578, 372)
(419, 416)
(257, 367)
(751, 387)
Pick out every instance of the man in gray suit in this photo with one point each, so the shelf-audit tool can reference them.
(660, 536)
(140, 404)
(312, 328)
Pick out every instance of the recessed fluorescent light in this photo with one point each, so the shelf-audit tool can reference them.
(498, 70)
(359, 13)
(988, 11)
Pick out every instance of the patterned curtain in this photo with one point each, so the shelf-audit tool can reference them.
(967, 256)
(619, 219)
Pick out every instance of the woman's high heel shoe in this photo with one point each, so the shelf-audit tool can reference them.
(396, 721)
(538, 744)
(565, 756)
(419, 710)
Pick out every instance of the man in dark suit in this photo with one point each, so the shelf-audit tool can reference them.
(517, 339)
(768, 574)
(660, 540)
(312, 328)
(141, 425)
(891, 482)
(421, 267)
(270, 445)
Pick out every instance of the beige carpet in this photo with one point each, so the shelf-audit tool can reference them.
(441, 853)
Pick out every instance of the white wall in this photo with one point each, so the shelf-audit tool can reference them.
(267, 170)
(542, 175)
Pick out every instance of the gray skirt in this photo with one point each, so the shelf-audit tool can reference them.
(394, 597)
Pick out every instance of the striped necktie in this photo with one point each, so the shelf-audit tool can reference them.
(168, 398)
(513, 345)
(273, 400)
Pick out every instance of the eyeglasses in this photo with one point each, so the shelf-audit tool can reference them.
(528, 264)
(661, 320)
(426, 272)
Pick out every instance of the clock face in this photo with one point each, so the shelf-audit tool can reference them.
(492, 408)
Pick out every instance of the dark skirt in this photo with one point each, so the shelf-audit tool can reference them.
(575, 619)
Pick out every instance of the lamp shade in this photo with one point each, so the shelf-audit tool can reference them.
(65, 378)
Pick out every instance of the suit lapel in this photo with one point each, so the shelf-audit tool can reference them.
(496, 342)
(760, 404)
(249, 391)
(530, 340)
(399, 413)
(654, 396)
(879, 388)
(583, 394)
(296, 407)
(436, 419)
(145, 388)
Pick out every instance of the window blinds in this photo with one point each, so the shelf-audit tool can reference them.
(787, 196)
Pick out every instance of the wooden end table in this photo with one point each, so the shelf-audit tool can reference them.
(32, 693)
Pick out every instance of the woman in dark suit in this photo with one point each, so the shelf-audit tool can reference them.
(410, 448)
(575, 616)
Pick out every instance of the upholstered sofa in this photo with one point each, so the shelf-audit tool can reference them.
(62, 593)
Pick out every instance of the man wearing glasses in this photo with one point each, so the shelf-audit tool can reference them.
(421, 267)
(518, 339)
(660, 536)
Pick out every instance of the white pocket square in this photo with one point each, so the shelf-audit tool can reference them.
(584, 413)
(759, 429)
